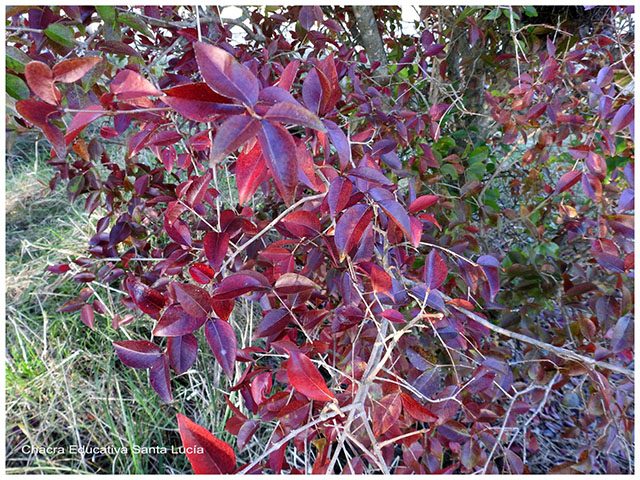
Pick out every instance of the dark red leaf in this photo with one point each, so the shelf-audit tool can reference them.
(273, 322)
(39, 114)
(197, 101)
(194, 300)
(160, 379)
(338, 195)
(225, 75)
(175, 322)
(69, 71)
(567, 181)
(235, 285)
(302, 223)
(232, 134)
(198, 188)
(59, 268)
(201, 273)
(305, 377)
(215, 248)
(137, 353)
(147, 299)
(222, 340)
(182, 352)
(87, 316)
(206, 453)
(164, 138)
(416, 410)
(260, 387)
(350, 227)
(435, 270)
(288, 75)
(81, 120)
(292, 283)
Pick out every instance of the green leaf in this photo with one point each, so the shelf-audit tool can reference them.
(479, 154)
(61, 34)
(16, 87)
(493, 14)
(16, 59)
(475, 171)
(136, 23)
(530, 11)
(109, 15)
(449, 170)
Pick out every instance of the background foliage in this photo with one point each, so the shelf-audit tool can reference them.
(336, 240)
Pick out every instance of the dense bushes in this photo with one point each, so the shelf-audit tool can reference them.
(434, 221)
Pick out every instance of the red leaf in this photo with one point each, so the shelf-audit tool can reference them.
(69, 71)
(416, 410)
(385, 413)
(302, 223)
(137, 353)
(87, 316)
(596, 165)
(435, 270)
(235, 285)
(380, 280)
(194, 300)
(222, 340)
(147, 299)
(287, 112)
(215, 248)
(160, 379)
(350, 227)
(279, 151)
(536, 111)
(288, 75)
(39, 114)
(622, 118)
(198, 188)
(305, 377)
(225, 75)
(422, 203)
(201, 273)
(338, 195)
(567, 181)
(164, 138)
(292, 283)
(197, 101)
(182, 352)
(251, 171)
(393, 315)
(81, 120)
(232, 134)
(175, 322)
(128, 84)
(260, 386)
(206, 453)
(273, 322)
(40, 79)
(59, 268)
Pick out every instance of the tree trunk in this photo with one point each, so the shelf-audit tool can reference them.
(371, 40)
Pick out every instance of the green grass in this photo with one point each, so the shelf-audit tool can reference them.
(64, 385)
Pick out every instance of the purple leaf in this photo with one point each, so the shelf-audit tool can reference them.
(215, 248)
(160, 380)
(435, 270)
(137, 353)
(273, 322)
(175, 322)
(279, 150)
(287, 112)
(194, 300)
(222, 340)
(225, 75)
(490, 267)
(182, 352)
(340, 141)
(232, 134)
(622, 118)
(567, 181)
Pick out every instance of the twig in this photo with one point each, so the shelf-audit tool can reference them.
(561, 352)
